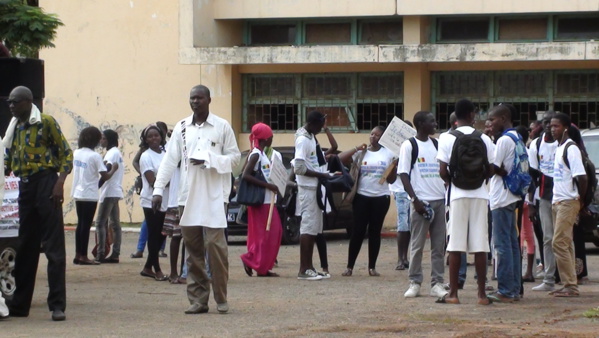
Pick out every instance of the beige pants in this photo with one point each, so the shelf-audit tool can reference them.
(564, 216)
(200, 241)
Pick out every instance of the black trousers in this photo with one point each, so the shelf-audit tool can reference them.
(42, 226)
(369, 214)
(86, 211)
(155, 222)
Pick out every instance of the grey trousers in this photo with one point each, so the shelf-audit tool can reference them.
(200, 241)
(109, 214)
(545, 214)
(419, 228)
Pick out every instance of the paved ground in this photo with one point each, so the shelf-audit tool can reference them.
(114, 300)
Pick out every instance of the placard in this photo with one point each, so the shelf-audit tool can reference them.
(396, 133)
(9, 213)
(278, 174)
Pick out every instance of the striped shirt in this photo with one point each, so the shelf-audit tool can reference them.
(37, 147)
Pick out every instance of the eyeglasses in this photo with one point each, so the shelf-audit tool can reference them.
(13, 102)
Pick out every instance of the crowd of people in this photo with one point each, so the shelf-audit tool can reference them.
(469, 191)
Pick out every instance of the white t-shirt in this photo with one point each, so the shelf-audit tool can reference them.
(114, 186)
(425, 179)
(150, 161)
(305, 149)
(397, 186)
(86, 166)
(264, 164)
(446, 141)
(563, 185)
(500, 196)
(371, 171)
(546, 156)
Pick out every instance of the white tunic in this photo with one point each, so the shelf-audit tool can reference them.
(202, 190)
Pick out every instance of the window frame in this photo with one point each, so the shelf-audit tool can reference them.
(360, 30)
(555, 27)
(435, 39)
(548, 35)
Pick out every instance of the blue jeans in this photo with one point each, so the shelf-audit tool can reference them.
(505, 240)
(463, 268)
(143, 238)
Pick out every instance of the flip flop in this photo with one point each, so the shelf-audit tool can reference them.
(175, 280)
(489, 299)
(443, 300)
(566, 293)
(161, 279)
(145, 274)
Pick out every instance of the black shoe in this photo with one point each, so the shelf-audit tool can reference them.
(110, 259)
(16, 313)
(58, 315)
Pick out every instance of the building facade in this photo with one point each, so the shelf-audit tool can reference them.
(129, 63)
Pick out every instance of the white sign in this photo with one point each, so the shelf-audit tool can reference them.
(396, 133)
(278, 174)
(9, 213)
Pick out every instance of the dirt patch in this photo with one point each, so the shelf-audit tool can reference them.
(114, 300)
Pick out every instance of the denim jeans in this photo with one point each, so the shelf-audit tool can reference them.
(505, 240)
(109, 214)
(462, 273)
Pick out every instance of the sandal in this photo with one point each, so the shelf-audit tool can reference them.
(347, 273)
(445, 300)
(137, 254)
(499, 298)
(373, 273)
(161, 278)
(269, 274)
(146, 274)
(400, 266)
(174, 280)
(248, 270)
(566, 292)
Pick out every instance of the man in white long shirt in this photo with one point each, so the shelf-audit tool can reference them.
(206, 146)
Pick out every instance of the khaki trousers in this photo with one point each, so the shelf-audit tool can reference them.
(564, 215)
(199, 241)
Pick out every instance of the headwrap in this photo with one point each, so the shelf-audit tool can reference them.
(260, 131)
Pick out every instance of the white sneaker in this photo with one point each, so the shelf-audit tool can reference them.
(309, 275)
(543, 287)
(324, 275)
(438, 291)
(413, 290)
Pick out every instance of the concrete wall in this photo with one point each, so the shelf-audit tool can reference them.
(116, 65)
(271, 9)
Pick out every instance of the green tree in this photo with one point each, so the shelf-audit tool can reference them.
(25, 29)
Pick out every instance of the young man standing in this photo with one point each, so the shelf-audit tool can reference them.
(204, 189)
(39, 154)
(542, 160)
(420, 178)
(503, 205)
(468, 207)
(307, 164)
(569, 187)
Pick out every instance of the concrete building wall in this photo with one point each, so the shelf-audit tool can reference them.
(123, 64)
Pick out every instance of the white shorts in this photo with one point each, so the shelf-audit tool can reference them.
(468, 225)
(311, 213)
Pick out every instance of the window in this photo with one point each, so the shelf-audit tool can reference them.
(463, 29)
(573, 92)
(352, 101)
(514, 29)
(328, 33)
(381, 32)
(275, 34)
(577, 28)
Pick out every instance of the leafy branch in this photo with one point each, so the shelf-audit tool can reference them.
(26, 29)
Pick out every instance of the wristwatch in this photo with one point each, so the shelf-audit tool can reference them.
(413, 199)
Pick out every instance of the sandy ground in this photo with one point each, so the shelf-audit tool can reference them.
(114, 300)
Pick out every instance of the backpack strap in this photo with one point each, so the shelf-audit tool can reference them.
(565, 154)
(414, 152)
(539, 149)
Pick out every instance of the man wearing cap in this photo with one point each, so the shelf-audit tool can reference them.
(419, 172)
(40, 156)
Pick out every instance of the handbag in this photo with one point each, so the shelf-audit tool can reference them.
(251, 194)
(354, 172)
(338, 183)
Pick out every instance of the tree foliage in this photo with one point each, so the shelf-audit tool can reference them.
(26, 29)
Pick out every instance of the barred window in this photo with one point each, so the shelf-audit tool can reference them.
(351, 101)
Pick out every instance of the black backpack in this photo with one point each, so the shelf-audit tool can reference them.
(589, 169)
(468, 165)
(415, 150)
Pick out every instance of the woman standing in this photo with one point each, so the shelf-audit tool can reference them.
(371, 202)
(87, 164)
(152, 138)
(263, 246)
